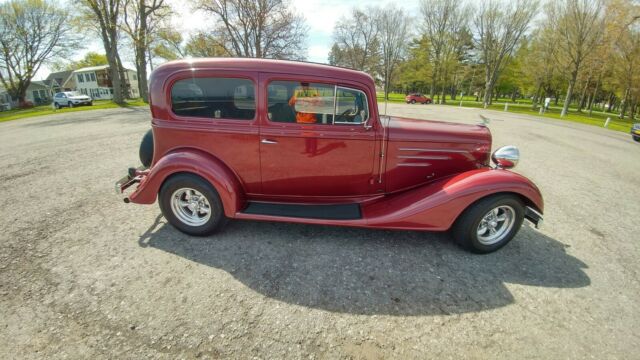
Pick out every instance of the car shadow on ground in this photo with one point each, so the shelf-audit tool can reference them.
(362, 271)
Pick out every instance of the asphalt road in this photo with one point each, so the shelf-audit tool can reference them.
(83, 275)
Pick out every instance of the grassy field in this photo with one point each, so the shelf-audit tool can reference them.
(523, 106)
(47, 109)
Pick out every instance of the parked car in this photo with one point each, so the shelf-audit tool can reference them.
(635, 132)
(297, 142)
(71, 99)
(417, 98)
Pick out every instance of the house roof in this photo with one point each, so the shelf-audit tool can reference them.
(38, 83)
(92, 68)
(59, 77)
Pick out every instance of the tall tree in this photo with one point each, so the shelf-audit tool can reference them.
(578, 25)
(105, 15)
(140, 18)
(356, 43)
(444, 25)
(257, 28)
(32, 32)
(393, 30)
(499, 26)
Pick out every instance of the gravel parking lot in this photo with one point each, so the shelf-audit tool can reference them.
(83, 275)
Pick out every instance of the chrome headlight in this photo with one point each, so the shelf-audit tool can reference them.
(506, 157)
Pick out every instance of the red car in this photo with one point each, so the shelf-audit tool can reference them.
(417, 98)
(298, 142)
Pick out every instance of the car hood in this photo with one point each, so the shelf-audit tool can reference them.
(405, 129)
(79, 97)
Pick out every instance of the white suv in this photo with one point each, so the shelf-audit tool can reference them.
(71, 99)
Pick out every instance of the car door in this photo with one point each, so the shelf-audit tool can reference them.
(308, 150)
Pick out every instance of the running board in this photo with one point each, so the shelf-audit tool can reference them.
(326, 212)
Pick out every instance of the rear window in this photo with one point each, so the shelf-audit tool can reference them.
(216, 98)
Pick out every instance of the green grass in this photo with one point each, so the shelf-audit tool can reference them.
(48, 110)
(523, 106)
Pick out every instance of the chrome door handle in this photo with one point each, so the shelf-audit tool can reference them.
(267, 141)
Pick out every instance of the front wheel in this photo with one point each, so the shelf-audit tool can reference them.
(56, 105)
(191, 205)
(413, 101)
(70, 104)
(489, 224)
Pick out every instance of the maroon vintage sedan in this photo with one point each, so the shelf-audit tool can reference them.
(298, 142)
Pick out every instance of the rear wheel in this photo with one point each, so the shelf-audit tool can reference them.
(413, 101)
(191, 205)
(489, 224)
(636, 138)
(70, 104)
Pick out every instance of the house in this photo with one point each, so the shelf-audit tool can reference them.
(55, 81)
(37, 93)
(96, 82)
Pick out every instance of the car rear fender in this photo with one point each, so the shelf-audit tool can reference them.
(198, 162)
(437, 205)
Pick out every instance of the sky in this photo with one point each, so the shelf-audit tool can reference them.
(320, 16)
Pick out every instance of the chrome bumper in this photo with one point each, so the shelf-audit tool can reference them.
(534, 216)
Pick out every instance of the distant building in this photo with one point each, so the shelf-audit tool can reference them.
(96, 82)
(56, 80)
(37, 93)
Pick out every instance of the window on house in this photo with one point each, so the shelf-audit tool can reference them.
(135, 77)
(93, 77)
(87, 78)
(227, 98)
(35, 94)
(80, 78)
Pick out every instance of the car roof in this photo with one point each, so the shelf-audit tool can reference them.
(269, 65)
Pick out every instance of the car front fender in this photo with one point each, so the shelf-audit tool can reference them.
(195, 162)
(436, 206)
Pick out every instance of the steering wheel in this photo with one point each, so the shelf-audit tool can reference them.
(345, 113)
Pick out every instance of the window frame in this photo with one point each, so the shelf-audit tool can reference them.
(335, 106)
(335, 85)
(209, 73)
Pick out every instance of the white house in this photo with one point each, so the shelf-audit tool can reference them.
(37, 93)
(96, 82)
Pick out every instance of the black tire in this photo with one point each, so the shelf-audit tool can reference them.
(146, 149)
(217, 219)
(413, 101)
(70, 104)
(636, 138)
(465, 229)
(91, 103)
(56, 105)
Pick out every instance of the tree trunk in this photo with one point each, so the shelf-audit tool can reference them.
(536, 97)
(572, 84)
(583, 95)
(594, 97)
(624, 104)
(141, 56)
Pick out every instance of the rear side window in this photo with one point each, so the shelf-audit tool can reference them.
(216, 98)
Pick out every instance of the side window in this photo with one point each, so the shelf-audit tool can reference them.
(301, 102)
(226, 98)
(351, 106)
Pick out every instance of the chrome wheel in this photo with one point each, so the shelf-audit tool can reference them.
(190, 207)
(496, 225)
